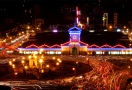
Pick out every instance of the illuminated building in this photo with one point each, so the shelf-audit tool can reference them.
(115, 19)
(105, 19)
(75, 44)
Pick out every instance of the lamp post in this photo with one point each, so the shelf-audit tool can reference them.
(23, 62)
(74, 69)
(15, 74)
(40, 61)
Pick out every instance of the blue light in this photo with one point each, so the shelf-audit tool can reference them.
(118, 30)
(108, 49)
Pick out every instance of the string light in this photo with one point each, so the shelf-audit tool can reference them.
(91, 46)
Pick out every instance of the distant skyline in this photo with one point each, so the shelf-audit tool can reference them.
(60, 11)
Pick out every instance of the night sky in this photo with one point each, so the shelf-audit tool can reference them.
(57, 9)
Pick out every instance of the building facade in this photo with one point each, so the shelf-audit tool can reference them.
(76, 47)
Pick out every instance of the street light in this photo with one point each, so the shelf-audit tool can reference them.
(28, 27)
(13, 65)
(40, 60)
(23, 57)
(25, 67)
(15, 73)
(23, 62)
(47, 66)
(29, 57)
(13, 60)
(53, 57)
(57, 63)
(73, 69)
(60, 61)
(110, 27)
(10, 62)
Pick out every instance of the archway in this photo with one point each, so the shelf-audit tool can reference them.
(74, 50)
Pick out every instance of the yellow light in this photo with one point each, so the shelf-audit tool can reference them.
(41, 50)
(47, 66)
(23, 61)
(13, 66)
(15, 73)
(29, 57)
(57, 63)
(25, 67)
(28, 27)
(24, 57)
(42, 71)
(60, 61)
(13, 60)
(74, 42)
(42, 57)
(35, 56)
(131, 59)
(53, 57)
(110, 27)
(128, 66)
(40, 60)
(73, 69)
(76, 62)
(10, 62)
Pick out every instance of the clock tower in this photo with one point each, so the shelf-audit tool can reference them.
(74, 45)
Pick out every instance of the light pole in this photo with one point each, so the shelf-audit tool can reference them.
(74, 69)
(15, 74)
(40, 61)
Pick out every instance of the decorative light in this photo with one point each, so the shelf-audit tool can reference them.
(40, 60)
(47, 66)
(15, 73)
(10, 62)
(73, 69)
(25, 67)
(23, 62)
(57, 63)
(53, 57)
(55, 30)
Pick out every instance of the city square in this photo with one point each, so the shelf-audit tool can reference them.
(65, 45)
(72, 65)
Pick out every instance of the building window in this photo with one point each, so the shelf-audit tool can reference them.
(30, 11)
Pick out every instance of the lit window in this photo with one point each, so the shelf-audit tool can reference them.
(30, 11)
(51, 52)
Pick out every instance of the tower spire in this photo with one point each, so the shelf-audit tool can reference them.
(75, 24)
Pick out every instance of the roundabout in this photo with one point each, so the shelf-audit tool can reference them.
(44, 69)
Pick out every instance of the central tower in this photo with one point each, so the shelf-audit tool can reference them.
(74, 45)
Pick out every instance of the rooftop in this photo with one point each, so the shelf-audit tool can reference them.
(98, 38)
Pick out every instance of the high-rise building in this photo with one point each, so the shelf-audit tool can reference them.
(115, 17)
(105, 20)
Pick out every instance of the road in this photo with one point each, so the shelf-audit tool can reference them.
(104, 76)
